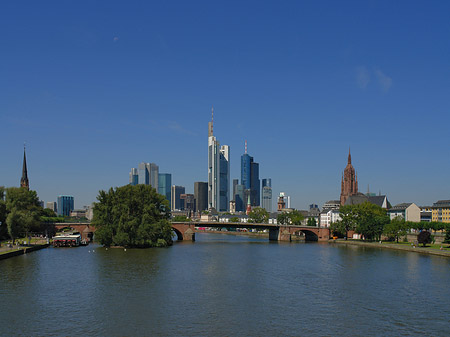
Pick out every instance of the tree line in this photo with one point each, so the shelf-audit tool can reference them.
(372, 221)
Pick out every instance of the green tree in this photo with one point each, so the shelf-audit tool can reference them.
(3, 214)
(22, 211)
(349, 220)
(234, 219)
(395, 228)
(293, 217)
(447, 234)
(180, 218)
(132, 216)
(258, 215)
(311, 222)
(424, 237)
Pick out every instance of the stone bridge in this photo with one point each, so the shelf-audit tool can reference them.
(186, 230)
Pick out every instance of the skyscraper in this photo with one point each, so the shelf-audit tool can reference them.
(164, 185)
(250, 178)
(201, 196)
(177, 191)
(147, 174)
(218, 171)
(65, 204)
(134, 176)
(267, 194)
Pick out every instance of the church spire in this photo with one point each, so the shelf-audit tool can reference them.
(349, 156)
(24, 180)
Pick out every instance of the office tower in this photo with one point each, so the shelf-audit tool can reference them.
(65, 204)
(153, 172)
(187, 202)
(239, 198)
(224, 190)
(218, 171)
(24, 180)
(267, 194)
(51, 205)
(148, 174)
(143, 176)
(250, 178)
(134, 176)
(235, 183)
(201, 196)
(177, 191)
(164, 186)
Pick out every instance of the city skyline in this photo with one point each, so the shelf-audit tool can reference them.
(300, 82)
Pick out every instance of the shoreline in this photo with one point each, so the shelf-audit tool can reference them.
(22, 251)
(393, 246)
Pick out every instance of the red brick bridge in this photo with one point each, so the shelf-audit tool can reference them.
(186, 230)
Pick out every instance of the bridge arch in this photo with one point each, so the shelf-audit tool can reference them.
(177, 233)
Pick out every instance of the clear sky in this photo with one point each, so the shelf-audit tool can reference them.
(95, 87)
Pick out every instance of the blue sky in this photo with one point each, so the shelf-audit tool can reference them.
(95, 87)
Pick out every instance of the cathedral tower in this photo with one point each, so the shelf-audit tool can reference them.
(349, 181)
(24, 180)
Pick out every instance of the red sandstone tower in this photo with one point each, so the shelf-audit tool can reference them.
(349, 182)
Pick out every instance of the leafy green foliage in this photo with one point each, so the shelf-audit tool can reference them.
(258, 215)
(447, 234)
(180, 218)
(366, 219)
(293, 217)
(21, 211)
(132, 216)
(396, 228)
(311, 222)
(234, 219)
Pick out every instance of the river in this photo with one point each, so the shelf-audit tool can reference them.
(224, 285)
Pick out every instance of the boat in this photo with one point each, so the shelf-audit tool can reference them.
(67, 240)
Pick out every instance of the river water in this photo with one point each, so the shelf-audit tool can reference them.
(224, 285)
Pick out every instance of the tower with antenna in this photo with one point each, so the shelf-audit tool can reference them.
(218, 171)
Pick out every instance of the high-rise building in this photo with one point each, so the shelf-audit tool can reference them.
(267, 194)
(176, 193)
(147, 174)
(349, 181)
(187, 202)
(134, 176)
(239, 198)
(24, 179)
(65, 204)
(164, 185)
(218, 171)
(250, 178)
(52, 205)
(201, 196)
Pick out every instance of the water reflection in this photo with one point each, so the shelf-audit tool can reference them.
(224, 285)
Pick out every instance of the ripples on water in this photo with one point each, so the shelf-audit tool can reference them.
(225, 285)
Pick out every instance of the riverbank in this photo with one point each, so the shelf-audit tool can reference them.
(395, 246)
(12, 252)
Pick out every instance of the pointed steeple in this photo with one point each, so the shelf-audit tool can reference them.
(24, 180)
(349, 156)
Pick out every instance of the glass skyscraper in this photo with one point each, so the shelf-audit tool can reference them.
(267, 194)
(134, 176)
(65, 204)
(164, 185)
(250, 179)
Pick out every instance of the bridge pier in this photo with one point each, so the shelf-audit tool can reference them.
(184, 231)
